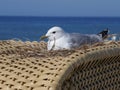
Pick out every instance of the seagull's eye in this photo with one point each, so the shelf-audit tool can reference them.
(54, 32)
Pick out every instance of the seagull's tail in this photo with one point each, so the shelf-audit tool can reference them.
(104, 34)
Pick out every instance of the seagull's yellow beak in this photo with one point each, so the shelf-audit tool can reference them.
(43, 37)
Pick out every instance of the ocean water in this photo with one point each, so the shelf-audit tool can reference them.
(31, 28)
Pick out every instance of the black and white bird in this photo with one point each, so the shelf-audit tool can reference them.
(59, 39)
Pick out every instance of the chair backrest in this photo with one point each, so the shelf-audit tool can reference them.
(29, 66)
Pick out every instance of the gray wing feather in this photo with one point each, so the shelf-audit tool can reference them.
(81, 39)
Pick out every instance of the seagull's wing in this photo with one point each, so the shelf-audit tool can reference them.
(77, 39)
(104, 33)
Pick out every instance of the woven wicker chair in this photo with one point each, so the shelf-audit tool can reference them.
(29, 66)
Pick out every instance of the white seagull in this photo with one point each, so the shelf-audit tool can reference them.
(59, 39)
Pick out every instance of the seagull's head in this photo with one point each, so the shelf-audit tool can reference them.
(54, 33)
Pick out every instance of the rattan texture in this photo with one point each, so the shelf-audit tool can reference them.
(29, 66)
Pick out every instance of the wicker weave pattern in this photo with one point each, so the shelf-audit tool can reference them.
(94, 78)
(29, 66)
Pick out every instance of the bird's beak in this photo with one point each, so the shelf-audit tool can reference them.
(43, 37)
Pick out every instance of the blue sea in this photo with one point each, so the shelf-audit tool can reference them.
(31, 28)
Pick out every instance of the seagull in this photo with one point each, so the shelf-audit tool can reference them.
(58, 39)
